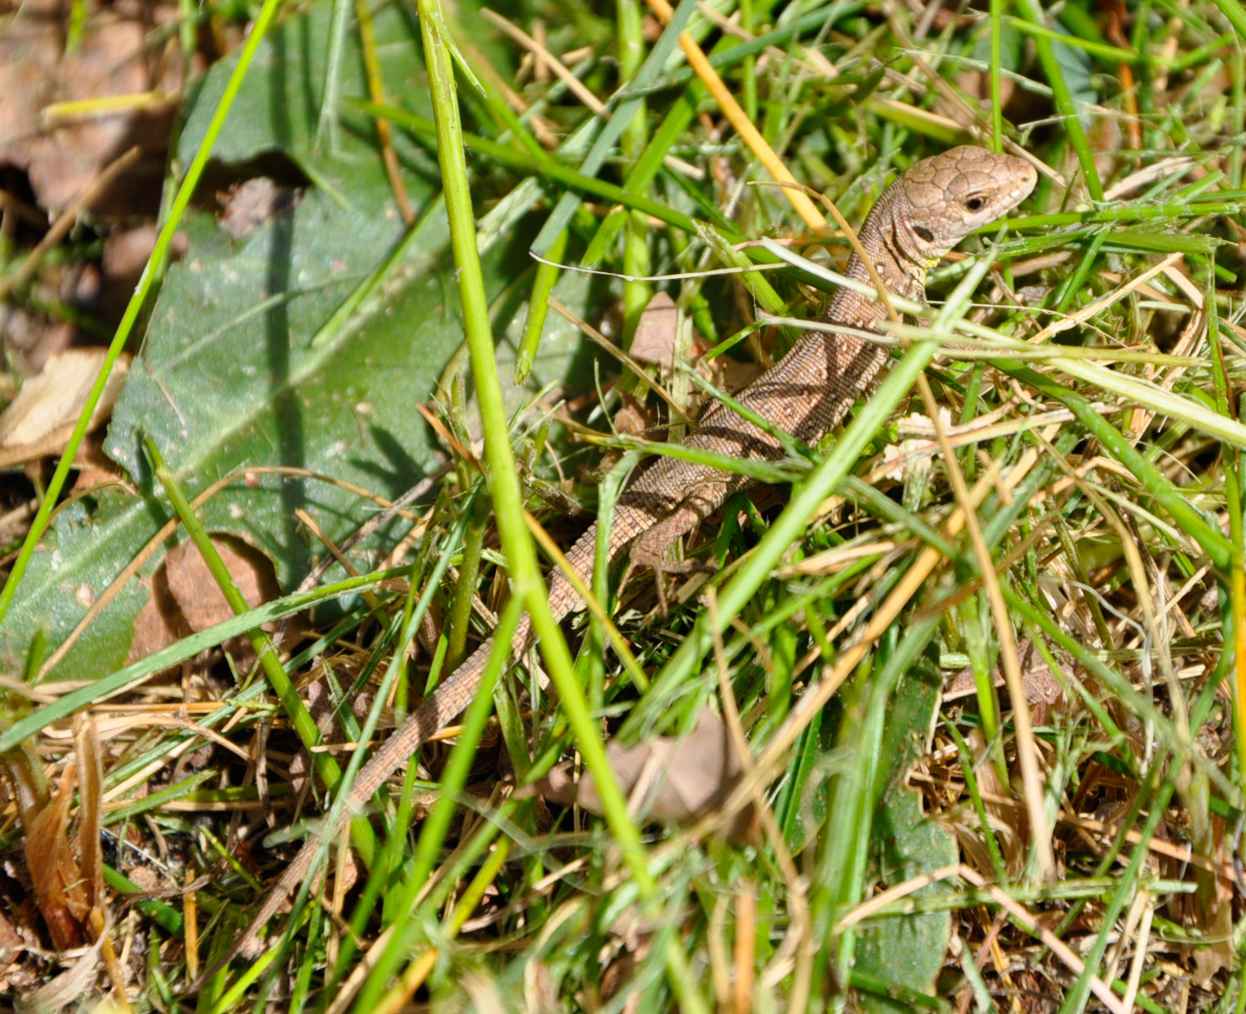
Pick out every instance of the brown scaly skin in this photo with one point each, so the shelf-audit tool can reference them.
(934, 204)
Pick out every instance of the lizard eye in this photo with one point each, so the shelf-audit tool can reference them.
(976, 203)
(924, 234)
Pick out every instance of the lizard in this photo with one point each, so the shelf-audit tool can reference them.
(931, 207)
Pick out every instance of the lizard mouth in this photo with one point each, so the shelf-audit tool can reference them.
(1025, 187)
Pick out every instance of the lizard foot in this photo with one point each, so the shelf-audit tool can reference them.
(661, 567)
(649, 550)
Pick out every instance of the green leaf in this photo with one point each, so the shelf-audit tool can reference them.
(231, 376)
(905, 953)
(306, 343)
(278, 109)
(1078, 71)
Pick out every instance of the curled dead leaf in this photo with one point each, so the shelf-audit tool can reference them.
(40, 419)
(60, 889)
(675, 779)
(68, 887)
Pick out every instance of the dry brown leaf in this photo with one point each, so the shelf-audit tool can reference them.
(31, 339)
(631, 417)
(1036, 994)
(1042, 689)
(1007, 821)
(248, 205)
(192, 586)
(60, 892)
(39, 421)
(159, 623)
(679, 778)
(185, 598)
(95, 468)
(729, 375)
(91, 810)
(654, 341)
(60, 889)
(68, 989)
(11, 943)
(327, 715)
(112, 59)
(1209, 910)
(1219, 954)
(106, 290)
(620, 971)
(977, 84)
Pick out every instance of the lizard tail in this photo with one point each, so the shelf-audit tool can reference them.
(438, 709)
(451, 697)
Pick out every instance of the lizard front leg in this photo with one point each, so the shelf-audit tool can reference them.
(650, 548)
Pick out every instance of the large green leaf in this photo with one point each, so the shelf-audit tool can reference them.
(278, 109)
(259, 353)
(906, 952)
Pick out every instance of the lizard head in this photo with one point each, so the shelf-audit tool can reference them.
(947, 197)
